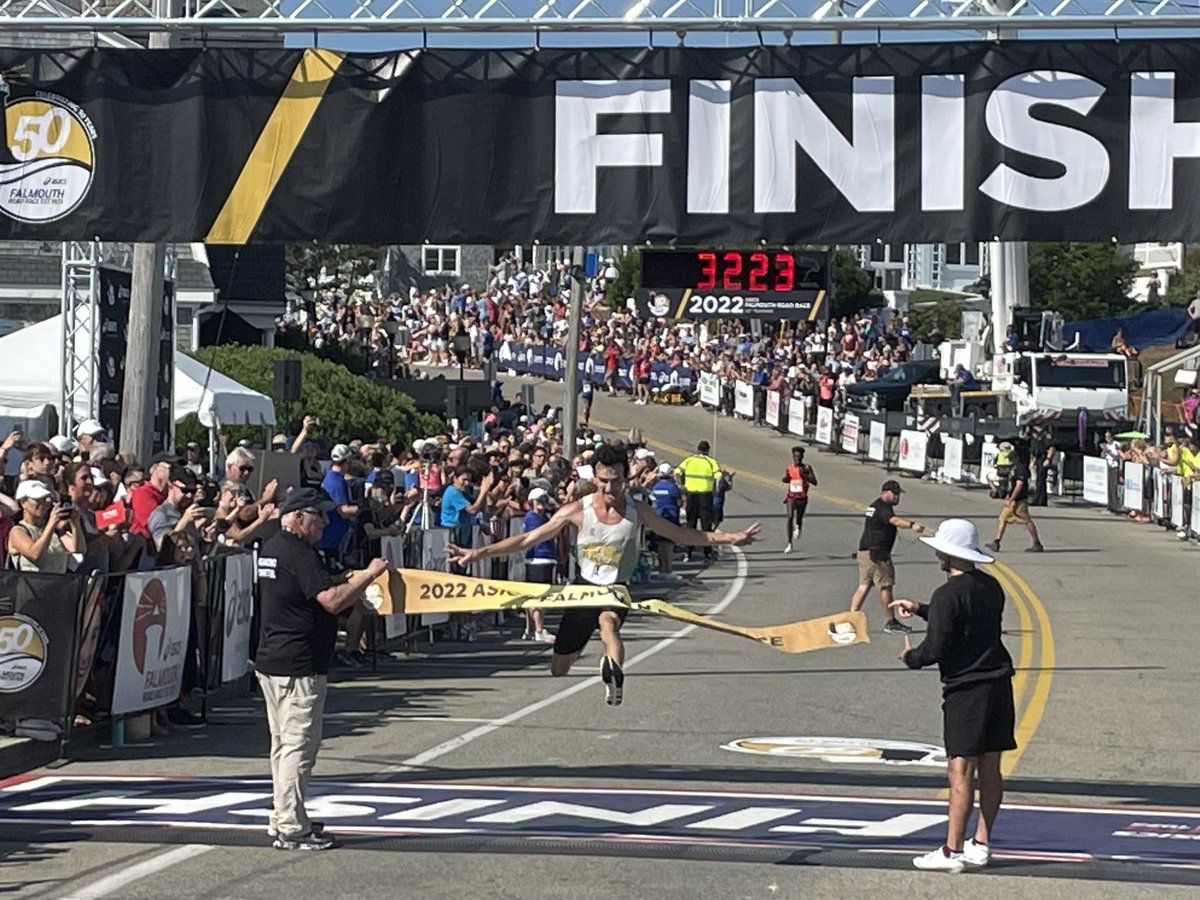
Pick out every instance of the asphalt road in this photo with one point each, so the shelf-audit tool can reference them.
(1102, 625)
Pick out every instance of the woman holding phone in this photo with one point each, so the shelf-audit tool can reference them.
(47, 534)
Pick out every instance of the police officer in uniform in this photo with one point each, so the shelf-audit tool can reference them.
(698, 476)
(297, 632)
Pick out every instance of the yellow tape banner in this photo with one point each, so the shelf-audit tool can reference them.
(416, 591)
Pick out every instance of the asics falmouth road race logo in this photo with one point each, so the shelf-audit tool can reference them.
(48, 157)
(22, 652)
(151, 611)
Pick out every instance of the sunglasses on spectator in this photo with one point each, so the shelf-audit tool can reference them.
(246, 469)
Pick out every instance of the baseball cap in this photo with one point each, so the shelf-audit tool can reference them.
(306, 499)
(643, 453)
(89, 427)
(664, 469)
(893, 486)
(32, 489)
(541, 495)
(339, 452)
(62, 444)
(184, 476)
(246, 443)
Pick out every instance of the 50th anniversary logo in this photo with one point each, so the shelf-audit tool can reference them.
(48, 158)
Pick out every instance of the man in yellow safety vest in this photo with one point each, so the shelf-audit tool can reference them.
(698, 476)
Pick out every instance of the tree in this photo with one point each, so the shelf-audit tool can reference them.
(629, 267)
(1186, 285)
(349, 406)
(853, 286)
(343, 263)
(1080, 281)
(943, 314)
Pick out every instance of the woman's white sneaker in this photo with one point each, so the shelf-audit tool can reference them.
(939, 861)
(976, 854)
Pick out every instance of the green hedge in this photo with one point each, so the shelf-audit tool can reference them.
(349, 406)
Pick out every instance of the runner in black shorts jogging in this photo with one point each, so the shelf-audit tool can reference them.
(963, 638)
(607, 546)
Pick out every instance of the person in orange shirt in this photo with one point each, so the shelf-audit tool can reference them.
(799, 478)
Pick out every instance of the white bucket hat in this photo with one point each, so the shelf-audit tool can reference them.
(958, 538)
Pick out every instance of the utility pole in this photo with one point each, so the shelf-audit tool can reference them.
(571, 376)
(138, 400)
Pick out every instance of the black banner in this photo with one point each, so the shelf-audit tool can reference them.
(39, 619)
(115, 288)
(1039, 140)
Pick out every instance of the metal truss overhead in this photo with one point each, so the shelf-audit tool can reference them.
(463, 17)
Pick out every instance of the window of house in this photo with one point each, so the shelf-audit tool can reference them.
(972, 254)
(953, 254)
(440, 260)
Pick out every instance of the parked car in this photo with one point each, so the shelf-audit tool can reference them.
(891, 390)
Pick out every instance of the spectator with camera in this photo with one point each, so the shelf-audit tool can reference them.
(48, 532)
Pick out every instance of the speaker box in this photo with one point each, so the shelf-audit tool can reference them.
(458, 405)
(287, 380)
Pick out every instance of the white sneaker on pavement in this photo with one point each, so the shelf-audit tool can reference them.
(788, 548)
(976, 854)
(938, 861)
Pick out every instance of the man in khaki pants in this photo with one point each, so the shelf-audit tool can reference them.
(297, 632)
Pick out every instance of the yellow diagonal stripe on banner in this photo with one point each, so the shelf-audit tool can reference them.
(273, 151)
(422, 591)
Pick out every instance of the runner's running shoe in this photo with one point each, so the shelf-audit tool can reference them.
(614, 681)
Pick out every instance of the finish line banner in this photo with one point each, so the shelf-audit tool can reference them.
(417, 591)
(1021, 140)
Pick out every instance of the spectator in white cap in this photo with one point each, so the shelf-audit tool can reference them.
(87, 433)
(337, 489)
(668, 500)
(47, 534)
(541, 560)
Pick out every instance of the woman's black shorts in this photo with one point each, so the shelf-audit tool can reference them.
(979, 718)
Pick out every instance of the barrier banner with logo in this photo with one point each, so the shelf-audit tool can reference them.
(155, 621)
(773, 408)
(1135, 485)
(1195, 522)
(1159, 501)
(850, 433)
(1177, 502)
(433, 558)
(710, 389)
(877, 448)
(798, 416)
(743, 399)
(699, 145)
(988, 454)
(913, 447)
(1095, 480)
(825, 425)
(952, 458)
(239, 611)
(39, 616)
(391, 548)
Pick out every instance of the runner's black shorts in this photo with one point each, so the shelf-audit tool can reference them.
(979, 718)
(577, 627)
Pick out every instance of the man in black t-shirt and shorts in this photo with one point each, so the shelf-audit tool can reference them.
(875, 567)
(1016, 505)
(978, 716)
(297, 632)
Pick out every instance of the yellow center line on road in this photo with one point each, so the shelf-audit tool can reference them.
(1016, 587)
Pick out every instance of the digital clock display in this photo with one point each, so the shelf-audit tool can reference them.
(762, 283)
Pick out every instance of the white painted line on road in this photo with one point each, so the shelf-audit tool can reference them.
(428, 756)
(110, 884)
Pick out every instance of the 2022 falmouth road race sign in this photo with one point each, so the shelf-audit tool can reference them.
(925, 142)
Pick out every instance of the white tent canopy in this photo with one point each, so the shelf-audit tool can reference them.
(31, 380)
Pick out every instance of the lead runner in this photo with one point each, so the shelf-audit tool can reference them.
(607, 546)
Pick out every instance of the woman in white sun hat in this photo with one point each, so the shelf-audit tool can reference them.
(963, 639)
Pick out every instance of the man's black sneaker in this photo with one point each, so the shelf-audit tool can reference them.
(894, 627)
(184, 719)
(310, 841)
(317, 828)
(994, 546)
(614, 681)
(1036, 548)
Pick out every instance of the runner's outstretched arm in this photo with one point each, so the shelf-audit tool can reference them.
(686, 537)
(518, 543)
